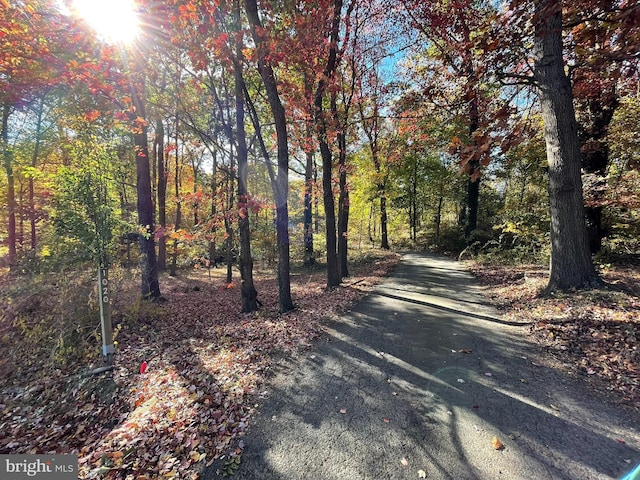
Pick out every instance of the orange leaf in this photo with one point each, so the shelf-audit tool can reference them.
(497, 444)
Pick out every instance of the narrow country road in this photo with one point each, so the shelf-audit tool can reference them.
(417, 381)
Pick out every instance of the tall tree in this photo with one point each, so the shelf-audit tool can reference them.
(161, 191)
(454, 33)
(603, 52)
(571, 264)
(372, 124)
(281, 182)
(323, 131)
(309, 168)
(150, 285)
(39, 111)
(34, 55)
(249, 292)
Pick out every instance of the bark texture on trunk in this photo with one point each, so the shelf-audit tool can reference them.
(309, 258)
(281, 184)
(571, 264)
(148, 262)
(248, 291)
(343, 207)
(333, 267)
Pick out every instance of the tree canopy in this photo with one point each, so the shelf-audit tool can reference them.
(426, 117)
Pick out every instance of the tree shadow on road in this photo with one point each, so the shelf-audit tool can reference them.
(401, 385)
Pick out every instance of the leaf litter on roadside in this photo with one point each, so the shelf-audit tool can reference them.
(186, 379)
(595, 333)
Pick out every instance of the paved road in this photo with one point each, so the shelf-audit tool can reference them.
(417, 381)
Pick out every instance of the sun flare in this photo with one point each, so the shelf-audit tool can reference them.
(114, 20)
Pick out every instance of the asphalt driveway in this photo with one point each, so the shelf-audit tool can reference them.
(424, 380)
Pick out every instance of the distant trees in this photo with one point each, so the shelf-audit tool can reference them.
(242, 98)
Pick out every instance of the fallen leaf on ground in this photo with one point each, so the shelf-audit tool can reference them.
(590, 331)
(422, 474)
(209, 363)
(465, 350)
(404, 461)
(386, 420)
(497, 444)
(343, 410)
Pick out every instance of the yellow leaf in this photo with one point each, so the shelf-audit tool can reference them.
(497, 444)
(422, 474)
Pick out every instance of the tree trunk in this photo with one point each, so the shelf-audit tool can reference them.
(281, 184)
(248, 291)
(384, 243)
(595, 160)
(178, 221)
(439, 211)
(473, 182)
(413, 204)
(161, 182)
(333, 270)
(34, 163)
(473, 201)
(571, 264)
(214, 208)
(343, 206)
(196, 201)
(343, 198)
(228, 224)
(11, 188)
(148, 265)
(309, 258)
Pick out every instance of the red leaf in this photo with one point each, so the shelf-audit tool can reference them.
(143, 367)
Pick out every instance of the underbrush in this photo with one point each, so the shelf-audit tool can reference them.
(186, 375)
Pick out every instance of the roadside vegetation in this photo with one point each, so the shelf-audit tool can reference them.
(592, 334)
(187, 372)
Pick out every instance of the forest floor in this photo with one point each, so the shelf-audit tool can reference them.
(189, 371)
(593, 334)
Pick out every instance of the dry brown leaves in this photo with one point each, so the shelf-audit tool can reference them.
(191, 403)
(595, 333)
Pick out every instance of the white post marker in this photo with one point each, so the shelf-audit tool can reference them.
(105, 314)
